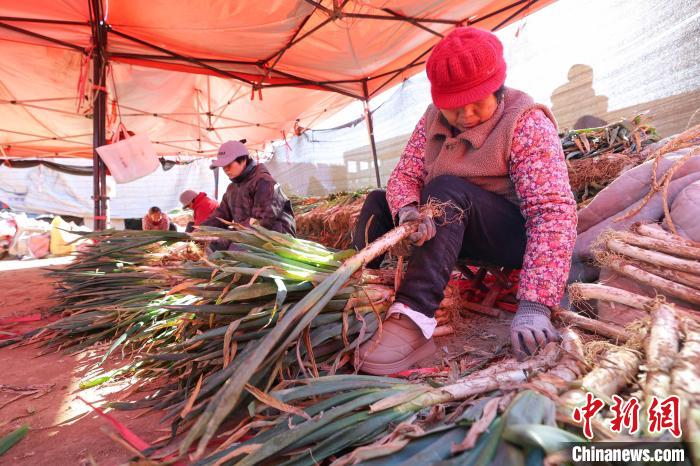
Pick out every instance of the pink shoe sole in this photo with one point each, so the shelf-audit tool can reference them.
(392, 368)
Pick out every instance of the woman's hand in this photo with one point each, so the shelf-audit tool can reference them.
(531, 329)
(426, 229)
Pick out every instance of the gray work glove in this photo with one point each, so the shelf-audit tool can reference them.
(426, 229)
(531, 329)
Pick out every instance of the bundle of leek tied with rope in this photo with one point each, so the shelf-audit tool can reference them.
(632, 134)
(660, 359)
(113, 288)
(596, 156)
(260, 365)
(330, 220)
(665, 263)
(510, 412)
(303, 205)
(110, 282)
(190, 317)
(344, 428)
(366, 419)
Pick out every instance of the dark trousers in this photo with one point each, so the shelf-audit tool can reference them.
(491, 230)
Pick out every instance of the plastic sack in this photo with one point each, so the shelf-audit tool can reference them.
(20, 245)
(685, 212)
(616, 313)
(30, 245)
(622, 196)
(8, 225)
(39, 245)
(619, 314)
(27, 241)
(130, 158)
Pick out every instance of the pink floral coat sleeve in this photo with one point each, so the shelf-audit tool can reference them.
(407, 179)
(541, 181)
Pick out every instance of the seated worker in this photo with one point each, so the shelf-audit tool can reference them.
(493, 158)
(253, 194)
(201, 205)
(155, 219)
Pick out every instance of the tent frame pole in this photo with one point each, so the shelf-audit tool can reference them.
(370, 132)
(41, 36)
(99, 117)
(101, 58)
(216, 183)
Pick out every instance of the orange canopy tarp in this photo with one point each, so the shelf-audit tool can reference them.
(185, 71)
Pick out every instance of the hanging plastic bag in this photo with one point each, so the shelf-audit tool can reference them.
(130, 158)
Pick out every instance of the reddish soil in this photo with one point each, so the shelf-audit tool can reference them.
(63, 430)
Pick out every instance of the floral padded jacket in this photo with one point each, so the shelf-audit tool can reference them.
(539, 174)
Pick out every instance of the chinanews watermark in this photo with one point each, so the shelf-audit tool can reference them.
(661, 420)
(629, 453)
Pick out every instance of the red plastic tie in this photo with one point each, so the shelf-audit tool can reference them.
(128, 435)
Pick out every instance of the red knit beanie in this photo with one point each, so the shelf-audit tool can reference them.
(465, 67)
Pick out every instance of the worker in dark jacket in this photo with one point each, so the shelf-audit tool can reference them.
(253, 195)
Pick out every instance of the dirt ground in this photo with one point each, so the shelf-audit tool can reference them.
(65, 431)
(476, 337)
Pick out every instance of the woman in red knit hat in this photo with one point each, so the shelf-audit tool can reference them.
(495, 155)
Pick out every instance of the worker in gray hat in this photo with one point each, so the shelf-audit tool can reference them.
(253, 195)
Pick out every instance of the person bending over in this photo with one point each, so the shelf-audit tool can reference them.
(253, 195)
(155, 219)
(201, 204)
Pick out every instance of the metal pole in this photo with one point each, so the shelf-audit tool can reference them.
(370, 132)
(99, 115)
(216, 183)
